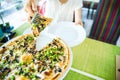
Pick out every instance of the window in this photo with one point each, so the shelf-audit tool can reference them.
(11, 11)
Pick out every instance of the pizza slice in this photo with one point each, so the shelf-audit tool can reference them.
(39, 23)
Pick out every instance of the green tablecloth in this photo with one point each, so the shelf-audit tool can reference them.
(94, 57)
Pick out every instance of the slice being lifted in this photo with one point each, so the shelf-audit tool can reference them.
(39, 23)
(19, 60)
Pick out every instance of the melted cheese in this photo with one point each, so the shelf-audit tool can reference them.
(21, 78)
(26, 58)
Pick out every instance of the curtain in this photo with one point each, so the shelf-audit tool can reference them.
(106, 25)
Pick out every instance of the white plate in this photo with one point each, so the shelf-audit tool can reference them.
(71, 33)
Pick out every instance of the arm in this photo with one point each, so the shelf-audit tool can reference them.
(78, 17)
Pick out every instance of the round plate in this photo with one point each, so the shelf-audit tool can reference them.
(71, 33)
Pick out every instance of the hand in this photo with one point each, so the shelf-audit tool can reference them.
(78, 17)
(30, 7)
(79, 22)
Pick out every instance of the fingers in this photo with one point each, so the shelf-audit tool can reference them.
(30, 11)
(34, 6)
(29, 19)
(30, 7)
(79, 23)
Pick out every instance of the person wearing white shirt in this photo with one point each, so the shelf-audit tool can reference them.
(59, 10)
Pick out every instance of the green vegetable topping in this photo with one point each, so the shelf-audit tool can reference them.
(33, 76)
(12, 77)
(30, 38)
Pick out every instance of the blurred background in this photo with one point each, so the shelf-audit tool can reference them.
(12, 11)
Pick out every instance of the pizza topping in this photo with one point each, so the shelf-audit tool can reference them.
(20, 60)
(39, 76)
(29, 38)
(4, 72)
(3, 49)
(26, 58)
(22, 78)
(12, 77)
(57, 69)
(39, 23)
(49, 56)
(48, 72)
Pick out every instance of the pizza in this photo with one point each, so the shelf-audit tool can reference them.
(39, 23)
(19, 60)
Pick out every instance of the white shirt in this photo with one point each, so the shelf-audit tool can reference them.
(62, 12)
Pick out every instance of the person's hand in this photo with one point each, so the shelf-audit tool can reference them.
(30, 7)
(78, 17)
(79, 22)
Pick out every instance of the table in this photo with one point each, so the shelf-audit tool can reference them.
(93, 57)
(96, 58)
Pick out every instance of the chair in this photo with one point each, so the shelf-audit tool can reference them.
(90, 4)
(106, 25)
